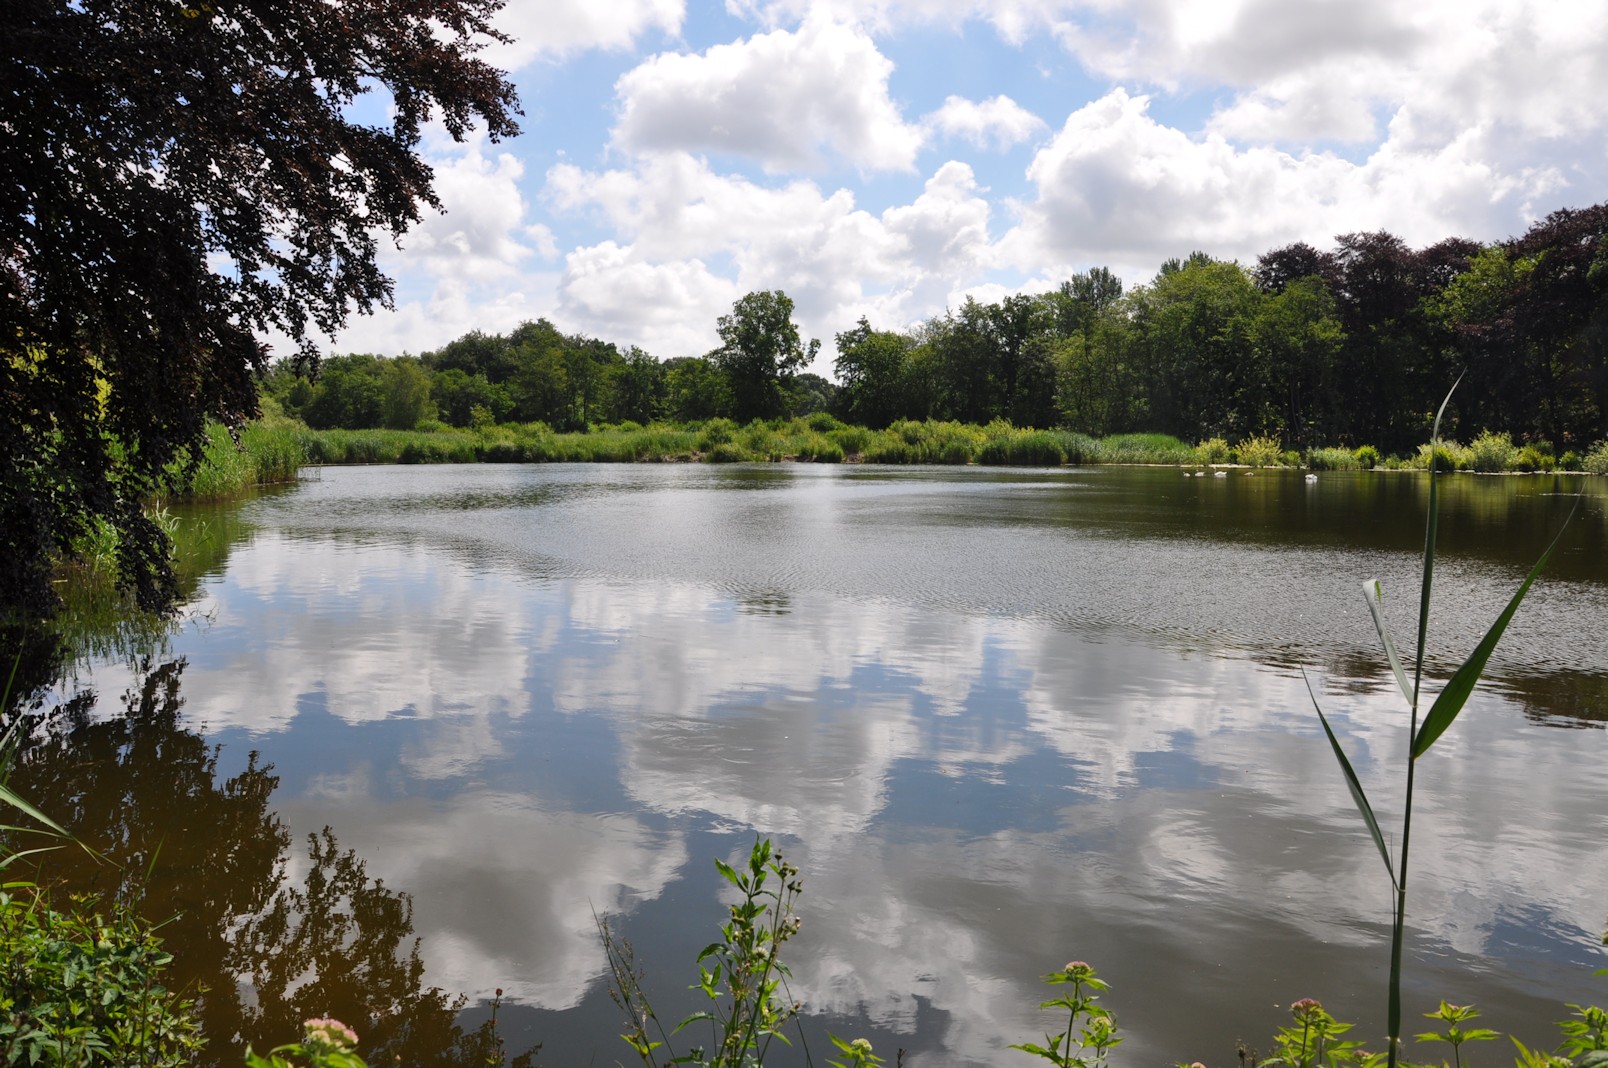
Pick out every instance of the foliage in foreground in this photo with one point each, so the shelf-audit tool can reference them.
(77, 987)
(742, 975)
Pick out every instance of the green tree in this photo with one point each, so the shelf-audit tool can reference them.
(639, 387)
(759, 350)
(1194, 325)
(1295, 341)
(350, 393)
(694, 389)
(1098, 386)
(168, 192)
(407, 393)
(871, 367)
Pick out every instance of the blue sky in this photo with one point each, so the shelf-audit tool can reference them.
(888, 158)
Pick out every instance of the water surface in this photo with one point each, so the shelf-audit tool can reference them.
(1000, 718)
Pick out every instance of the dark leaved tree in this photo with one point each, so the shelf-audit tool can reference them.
(175, 181)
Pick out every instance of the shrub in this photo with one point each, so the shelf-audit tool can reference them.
(1449, 456)
(1596, 461)
(1490, 453)
(1534, 458)
(1569, 461)
(1260, 452)
(77, 988)
(821, 422)
(1367, 457)
(716, 432)
(1212, 451)
(727, 452)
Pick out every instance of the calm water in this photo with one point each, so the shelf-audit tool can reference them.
(1001, 719)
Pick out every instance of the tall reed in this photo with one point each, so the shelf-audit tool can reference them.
(1420, 735)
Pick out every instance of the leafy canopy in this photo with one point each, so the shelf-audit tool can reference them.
(176, 180)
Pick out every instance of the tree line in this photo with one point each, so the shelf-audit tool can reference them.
(1354, 344)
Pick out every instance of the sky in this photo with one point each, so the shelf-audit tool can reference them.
(889, 158)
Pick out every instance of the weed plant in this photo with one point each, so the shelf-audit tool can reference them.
(78, 988)
(1091, 1030)
(742, 975)
(1421, 736)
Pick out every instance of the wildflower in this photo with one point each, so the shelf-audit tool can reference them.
(329, 1032)
(861, 1044)
(1306, 1009)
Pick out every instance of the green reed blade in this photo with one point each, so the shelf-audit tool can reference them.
(1456, 694)
(1431, 526)
(1375, 595)
(1352, 782)
(26, 809)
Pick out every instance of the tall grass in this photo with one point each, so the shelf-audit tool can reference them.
(1144, 449)
(267, 453)
(1332, 460)
(1421, 736)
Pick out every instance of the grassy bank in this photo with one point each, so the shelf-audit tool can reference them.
(273, 449)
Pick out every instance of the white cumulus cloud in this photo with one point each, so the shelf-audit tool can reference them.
(558, 28)
(698, 239)
(997, 122)
(782, 98)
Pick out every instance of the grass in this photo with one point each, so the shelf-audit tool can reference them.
(272, 450)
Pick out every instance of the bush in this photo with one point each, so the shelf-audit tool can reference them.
(76, 988)
(1260, 452)
(1490, 453)
(1569, 461)
(851, 439)
(716, 432)
(1449, 456)
(822, 422)
(1596, 461)
(1534, 458)
(1212, 451)
(1367, 457)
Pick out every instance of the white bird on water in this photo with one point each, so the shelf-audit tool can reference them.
(1312, 478)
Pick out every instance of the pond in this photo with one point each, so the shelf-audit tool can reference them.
(1001, 719)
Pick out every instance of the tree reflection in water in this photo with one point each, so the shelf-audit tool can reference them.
(209, 858)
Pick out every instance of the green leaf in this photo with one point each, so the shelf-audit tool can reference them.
(694, 1018)
(1375, 595)
(728, 871)
(1457, 691)
(1357, 793)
